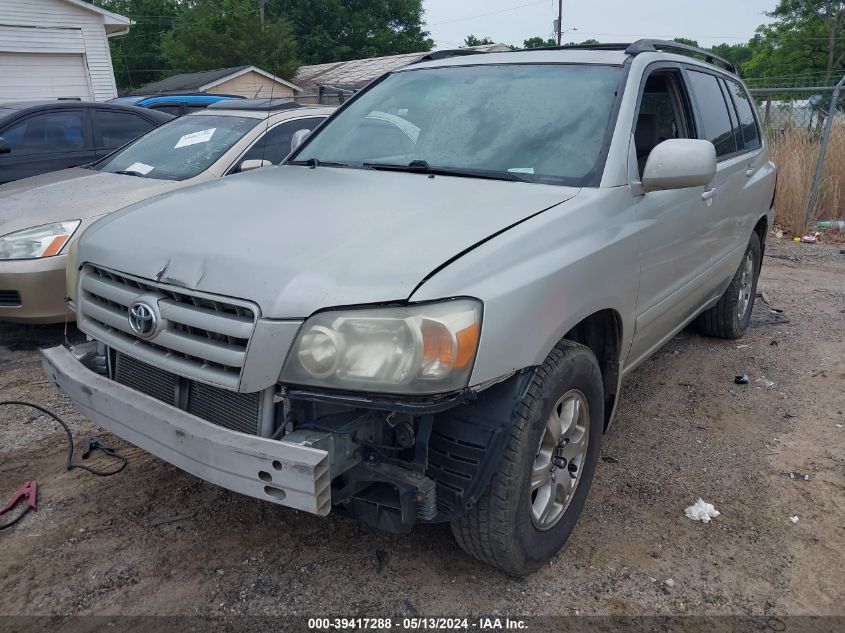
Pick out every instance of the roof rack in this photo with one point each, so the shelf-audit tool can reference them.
(446, 54)
(651, 46)
(655, 46)
(633, 49)
(254, 105)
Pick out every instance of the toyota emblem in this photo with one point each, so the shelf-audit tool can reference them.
(142, 319)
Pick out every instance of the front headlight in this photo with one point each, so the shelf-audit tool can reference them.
(414, 350)
(40, 241)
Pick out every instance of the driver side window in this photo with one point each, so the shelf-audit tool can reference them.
(664, 114)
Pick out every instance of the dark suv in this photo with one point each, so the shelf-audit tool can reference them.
(41, 136)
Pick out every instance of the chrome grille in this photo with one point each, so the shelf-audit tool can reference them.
(203, 337)
(229, 409)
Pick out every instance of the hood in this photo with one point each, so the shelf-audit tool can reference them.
(72, 194)
(295, 240)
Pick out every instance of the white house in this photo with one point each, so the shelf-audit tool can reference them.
(57, 48)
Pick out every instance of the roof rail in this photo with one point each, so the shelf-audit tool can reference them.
(446, 54)
(649, 46)
(653, 46)
(255, 105)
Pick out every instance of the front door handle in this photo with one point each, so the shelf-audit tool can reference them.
(709, 193)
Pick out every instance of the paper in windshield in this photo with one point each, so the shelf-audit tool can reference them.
(203, 136)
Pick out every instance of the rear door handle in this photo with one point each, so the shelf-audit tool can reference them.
(709, 193)
(750, 171)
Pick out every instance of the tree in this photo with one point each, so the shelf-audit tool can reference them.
(737, 54)
(137, 57)
(340, 30)
(538, 42)
(222, 33)
(805, 41)
(471, 40)
(687, 41)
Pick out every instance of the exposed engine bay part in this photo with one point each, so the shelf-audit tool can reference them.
(388, 467)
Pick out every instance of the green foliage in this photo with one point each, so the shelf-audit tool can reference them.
(538, 42)
(175, 36)
(340, 30)
(737, 54)
(137, 57)
(805, 41)
(471, 40)
(687, 41)
(223, 33)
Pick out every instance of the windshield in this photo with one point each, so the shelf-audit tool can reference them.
(536, 122)
(180, 149)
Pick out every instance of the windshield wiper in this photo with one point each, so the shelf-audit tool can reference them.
(316, 162)
(422, 167)
(130, 172)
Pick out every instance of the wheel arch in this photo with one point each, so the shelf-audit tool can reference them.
(602, 332)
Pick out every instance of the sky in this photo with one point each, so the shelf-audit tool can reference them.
(512, 21)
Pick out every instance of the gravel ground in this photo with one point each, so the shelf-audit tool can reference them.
(684, 430)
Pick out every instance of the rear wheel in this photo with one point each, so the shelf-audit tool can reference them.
(539, 488)
(729, 318)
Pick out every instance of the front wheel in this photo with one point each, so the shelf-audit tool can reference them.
(539, 488)
(729, 318)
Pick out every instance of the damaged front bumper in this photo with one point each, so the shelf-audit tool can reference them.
(278, 471)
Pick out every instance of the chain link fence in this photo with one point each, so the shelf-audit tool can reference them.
(806, 127)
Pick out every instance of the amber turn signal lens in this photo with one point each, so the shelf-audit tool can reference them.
(55, 246)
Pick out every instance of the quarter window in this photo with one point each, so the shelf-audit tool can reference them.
(748, 134)
(175, 110)
(115, 129)
(717, 127)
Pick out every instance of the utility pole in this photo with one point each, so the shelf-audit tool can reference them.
(559, 21)
(261, 4)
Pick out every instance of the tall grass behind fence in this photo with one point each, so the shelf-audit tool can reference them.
(795, 150)
(795, 127)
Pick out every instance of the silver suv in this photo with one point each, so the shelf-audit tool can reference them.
(426, 314)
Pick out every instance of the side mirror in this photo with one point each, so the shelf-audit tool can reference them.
(298, 138)
(680, 163)
(5, 148)
(249, 165)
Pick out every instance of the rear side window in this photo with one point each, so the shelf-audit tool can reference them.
(716, 122)
(748, 134)
(175, 110)
(47, 133)
(114, 129)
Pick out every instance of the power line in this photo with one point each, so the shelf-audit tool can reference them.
(482, 15)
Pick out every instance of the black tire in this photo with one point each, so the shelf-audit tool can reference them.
(500, 529)
(723, 320)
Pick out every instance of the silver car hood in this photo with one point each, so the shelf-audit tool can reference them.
(71, 194)
(295, 240)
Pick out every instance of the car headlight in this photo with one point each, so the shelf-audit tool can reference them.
(414, 350)
(40, 241)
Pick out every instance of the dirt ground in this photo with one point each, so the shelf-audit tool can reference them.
(684, 430)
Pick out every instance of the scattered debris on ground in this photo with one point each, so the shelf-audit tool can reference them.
(682, 430)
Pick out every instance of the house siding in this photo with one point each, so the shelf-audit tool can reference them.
(56, 27)
(251, 85)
